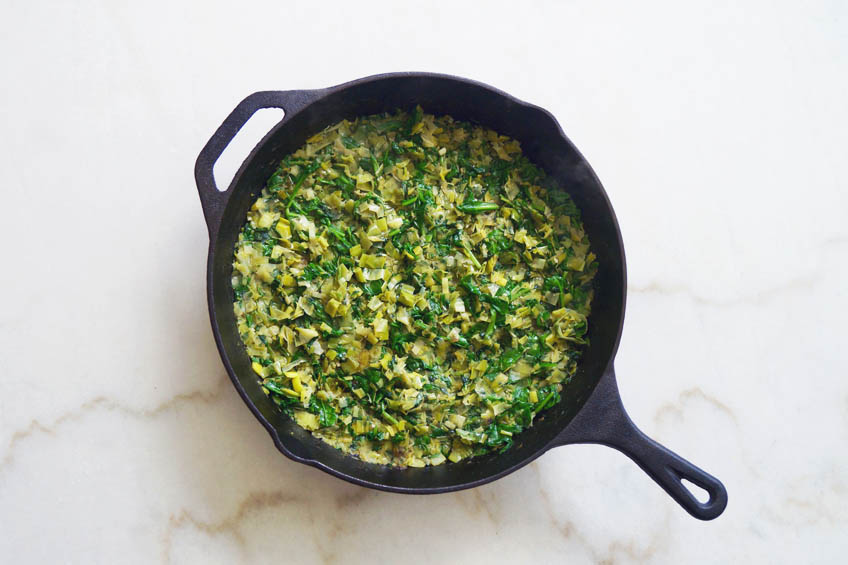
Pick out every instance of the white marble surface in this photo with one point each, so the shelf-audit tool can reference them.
(720, 132)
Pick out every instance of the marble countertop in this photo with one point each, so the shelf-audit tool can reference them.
(720, 133)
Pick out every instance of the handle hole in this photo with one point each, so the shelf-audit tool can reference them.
(243, 143)
(700, 494)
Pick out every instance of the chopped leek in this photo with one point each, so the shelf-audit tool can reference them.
(412, 290)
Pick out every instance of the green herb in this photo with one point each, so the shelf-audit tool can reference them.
(496, 242)
(509, 358)
(239, 290)
(471, 207)
(549, 396)
(302, 177)
(372, 288)
(349, 142)
(324, 410)
(313, 271)
(499, 305)
(398, 336)
(343, 239)
(390, 125)
(556, 283)
(415, 117)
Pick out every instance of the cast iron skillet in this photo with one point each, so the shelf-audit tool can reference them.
(591, 409)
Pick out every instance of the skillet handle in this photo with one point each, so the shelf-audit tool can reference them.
(213, 200)
(603, 420)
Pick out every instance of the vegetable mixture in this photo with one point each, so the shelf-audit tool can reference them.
(411, 289)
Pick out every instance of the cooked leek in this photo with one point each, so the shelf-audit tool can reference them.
(411, 289)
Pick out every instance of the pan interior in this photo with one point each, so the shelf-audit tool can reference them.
(543, 144)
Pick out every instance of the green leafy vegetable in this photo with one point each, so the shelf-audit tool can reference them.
(412, 289)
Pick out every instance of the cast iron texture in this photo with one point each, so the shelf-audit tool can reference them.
(591, 409)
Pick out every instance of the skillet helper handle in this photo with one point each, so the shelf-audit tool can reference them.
(212, 199)
(603, 420)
